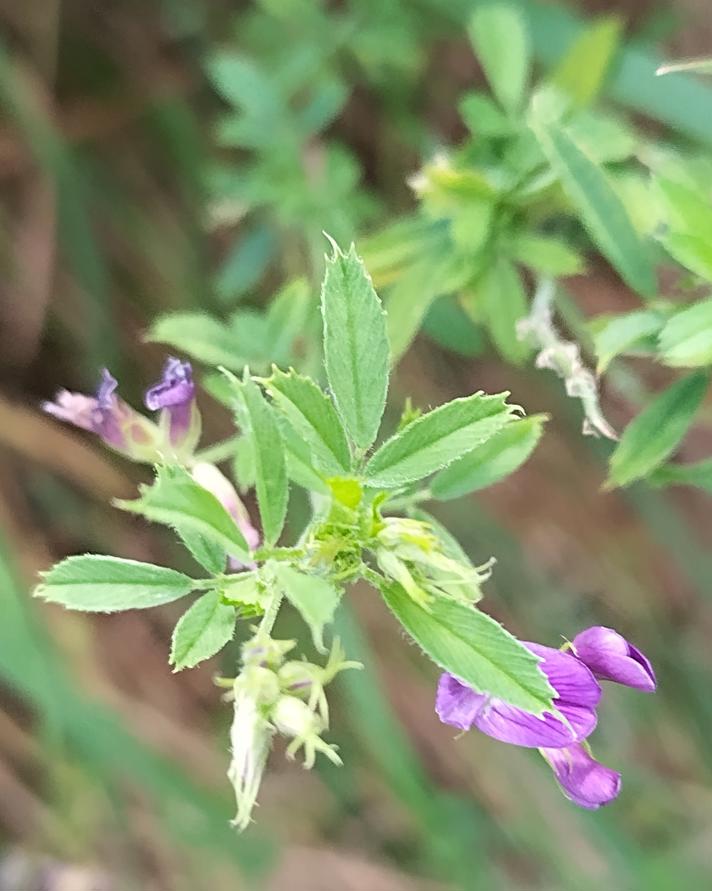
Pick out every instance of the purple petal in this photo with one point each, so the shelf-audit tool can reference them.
(582, 779)
(456, 703)
(611, 657)
(106, 393)
(578, 695)
(175, 388)
(573, 681)
(74, 408)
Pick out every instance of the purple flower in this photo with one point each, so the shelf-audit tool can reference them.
(582, 779)
(577, 695)
(174, 394)
(611, 658)
(107, 415)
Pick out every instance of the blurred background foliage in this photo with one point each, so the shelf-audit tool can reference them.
(183, 157)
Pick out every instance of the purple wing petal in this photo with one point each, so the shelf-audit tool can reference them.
(611, 657)
(175, 388)
(582, 779)
(512, 725)
(456, 703)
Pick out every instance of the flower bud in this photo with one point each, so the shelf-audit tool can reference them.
(209, 477)
(612, 658)
(293, 717)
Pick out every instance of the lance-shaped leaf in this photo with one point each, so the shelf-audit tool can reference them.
(474, 647)
(686, 339)
(490, 462)
(313, 415)
(698, 474)
(505, 303)
(202, 631)
(435, 439)
(270, 461)
(94, 583)
(356, 350)
(582, 71)
(202, 337)
(176, 500)
(313, 597)
(300, 467)
(500, 38)
(657, 431)
(602, 211)
(620, 334)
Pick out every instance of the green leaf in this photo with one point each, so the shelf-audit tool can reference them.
(687, 209)
(686, 339)
(94, 583)
(200, 336)
(435, 439)
(313, 415)
(698, 474)
(355, 345)
(545, 254)
(490, 462)
(582, 71)
(504, 303)
(615, 335)
(202, 631)
(473, 647)
(299, 459)
(206, 551)
(657, 431)
(500, 39)
(690, 251)
(176, 500)
(482, 117)
(270, 462)
(312, 596)
(287, 318)
(602, 211)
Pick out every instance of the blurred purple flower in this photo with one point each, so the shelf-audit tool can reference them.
(582, 779)
(612, 658)
(175, 395)
(577, 691)
(105, 414)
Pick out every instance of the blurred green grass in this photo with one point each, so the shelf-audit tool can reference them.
(103, 775)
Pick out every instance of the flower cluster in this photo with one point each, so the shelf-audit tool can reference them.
(595, 654)
(274, 695)
(129, 432)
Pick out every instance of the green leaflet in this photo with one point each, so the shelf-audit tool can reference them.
(602, 211)
(202, 337)
(582, 71)
(476, 649)
(656, 432)
(545, 254)
(313, 597)
(435, 439)
(356, 351)
(501, 41)
(176, 500)
(698, 474)
(313, 416)
(299, 459)
(490, 462)
(686, 339)
(206, 551)
(202, 631)
(270, 461)
(615, 335)
(504, 303)
(94, 583)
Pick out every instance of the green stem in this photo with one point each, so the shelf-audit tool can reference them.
(270, 616)
(218, 452)
(262, 554)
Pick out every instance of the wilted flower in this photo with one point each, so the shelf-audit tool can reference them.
(250, 737)
(612, 658)
(293, 717)
(174, 395)
(560, 738)
(209, 477)
(119, 426)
